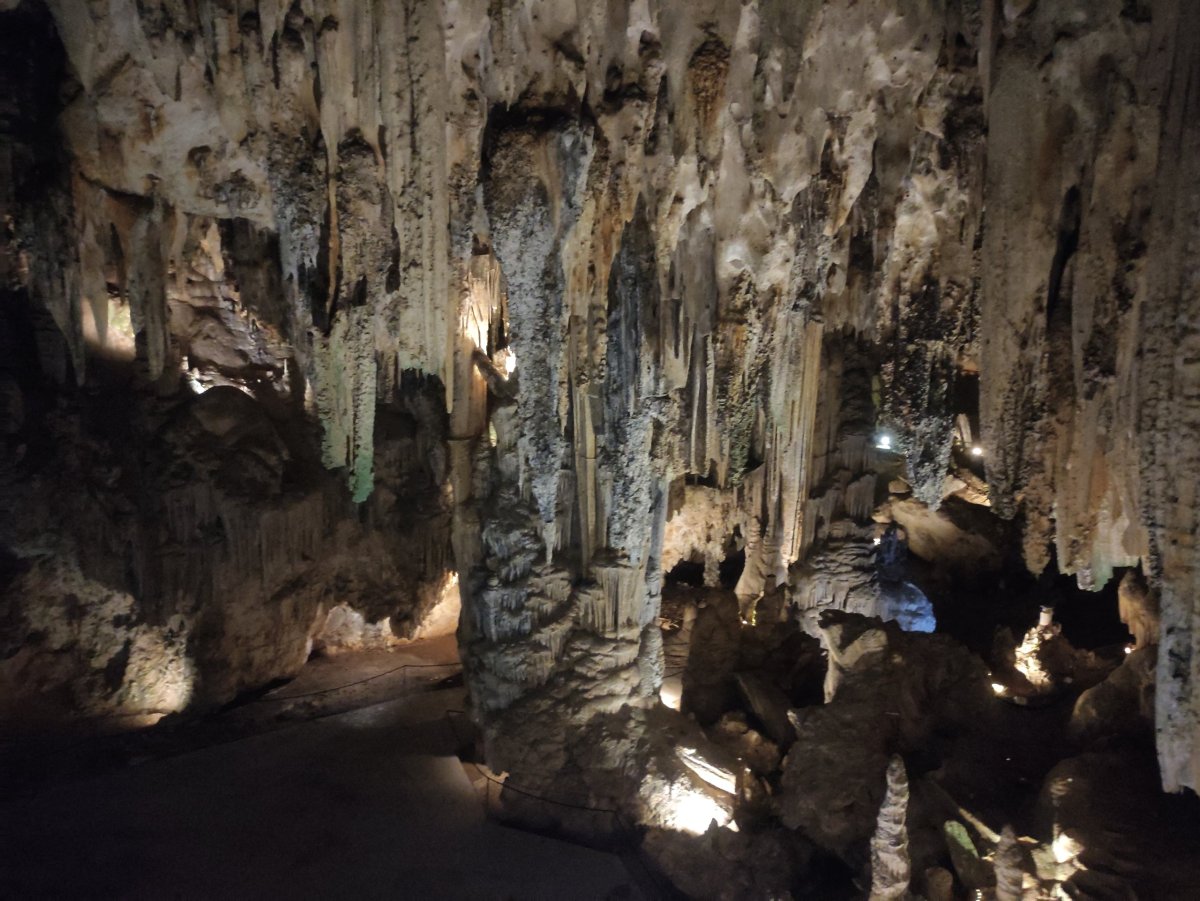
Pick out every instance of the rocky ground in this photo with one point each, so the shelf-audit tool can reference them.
(1008, 789)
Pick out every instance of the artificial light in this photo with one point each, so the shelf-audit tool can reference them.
(671, 692)
(695, 811)
(883, 441)
(977, 451)
(1065, 848)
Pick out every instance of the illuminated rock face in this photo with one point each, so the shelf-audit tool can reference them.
(174, 553)
(730, 241)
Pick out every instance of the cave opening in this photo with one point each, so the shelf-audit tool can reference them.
(974, 609)
(686, 572)
(693, 572)
(1090, 618)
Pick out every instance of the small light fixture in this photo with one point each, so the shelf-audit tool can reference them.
(1128, 649)
(977, 451)
(876, 540)
(883, 441)
(998, 688)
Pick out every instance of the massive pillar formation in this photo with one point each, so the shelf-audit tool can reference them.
(1087, 306)
(1168, 414)
(705, 250)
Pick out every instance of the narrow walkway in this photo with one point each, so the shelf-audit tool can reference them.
(365, 804)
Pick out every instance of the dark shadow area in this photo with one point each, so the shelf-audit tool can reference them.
(1090, 619)
(691, 572)
(686, 573)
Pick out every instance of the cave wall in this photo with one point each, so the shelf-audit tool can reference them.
(171, 537)
(724, 241)
(1088, 305)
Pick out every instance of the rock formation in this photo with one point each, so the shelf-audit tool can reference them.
(348, 305)
(890, 866)
(1010, 876)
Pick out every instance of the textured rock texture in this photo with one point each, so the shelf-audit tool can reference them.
(174, 553)
(625, 246)
(888, 692)
(891, 870)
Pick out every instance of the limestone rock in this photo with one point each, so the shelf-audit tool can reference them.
(760, 754)
(892, 691)
(1009, 865)
(1090, 805)
(769, 705)
(891, 869)
(724, 865)
(1123, 704)
(738, 244)
(1139, 610)
(939, 884)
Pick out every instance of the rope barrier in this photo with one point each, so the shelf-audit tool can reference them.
(322, 691)
(266, 699)
(90, 740)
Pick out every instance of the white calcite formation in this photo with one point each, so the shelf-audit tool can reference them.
(726, 241)
(891, 870)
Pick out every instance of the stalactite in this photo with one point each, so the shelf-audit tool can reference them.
(715, 251)
(344, 388)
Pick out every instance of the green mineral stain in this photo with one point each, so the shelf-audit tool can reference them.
(971, 869)
(344, 385)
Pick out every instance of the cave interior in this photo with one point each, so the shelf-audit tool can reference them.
(535, 449)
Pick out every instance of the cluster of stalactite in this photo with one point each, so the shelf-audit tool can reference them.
(725, 242)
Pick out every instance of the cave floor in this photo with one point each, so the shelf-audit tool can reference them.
(369, 803)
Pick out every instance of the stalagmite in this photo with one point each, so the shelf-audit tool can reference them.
(890, 867)
(1010, 871)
